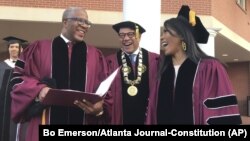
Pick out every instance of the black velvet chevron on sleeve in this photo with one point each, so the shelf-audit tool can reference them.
(221, 102)
(225, 120)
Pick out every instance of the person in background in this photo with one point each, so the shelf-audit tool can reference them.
(14, 45)
(134, 89)
(65, 62)
(194, 87)
(8, 127)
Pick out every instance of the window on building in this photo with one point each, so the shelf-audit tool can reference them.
(242, 4)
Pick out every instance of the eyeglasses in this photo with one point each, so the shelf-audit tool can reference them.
(129, 34)
(81, 21)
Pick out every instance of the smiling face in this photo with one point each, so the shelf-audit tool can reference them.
(14, 50)
(170, 42)
(76, 25)
(128, 40)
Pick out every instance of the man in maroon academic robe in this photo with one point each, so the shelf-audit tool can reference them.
(52, 64)
(133, 91)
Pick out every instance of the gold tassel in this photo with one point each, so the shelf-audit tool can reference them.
(44, 117)
(137, 34)
(192, 20)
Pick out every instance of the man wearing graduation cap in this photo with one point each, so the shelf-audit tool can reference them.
(14, 48)
(65, 62)
(133, 89)
(194, 88)
(14, 45)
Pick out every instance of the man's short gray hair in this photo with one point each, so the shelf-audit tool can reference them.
(69, 12)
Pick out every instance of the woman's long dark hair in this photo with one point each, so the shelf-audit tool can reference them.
(183, 30)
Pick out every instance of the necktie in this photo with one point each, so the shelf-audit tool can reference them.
(70, 46)
(132, 58)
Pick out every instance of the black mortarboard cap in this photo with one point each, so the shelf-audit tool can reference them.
(128, 24)
(184, 11)
(199, 31)
(12, 40)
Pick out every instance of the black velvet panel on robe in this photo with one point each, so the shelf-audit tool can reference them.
(134, 107)
(5, 102)
(175, 104)
(74, 81)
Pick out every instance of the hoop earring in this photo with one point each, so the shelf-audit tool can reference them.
(184, 46)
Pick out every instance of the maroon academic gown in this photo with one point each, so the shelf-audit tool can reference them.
(213, 99)
(212, 85)
(35, 64)
(116, 90)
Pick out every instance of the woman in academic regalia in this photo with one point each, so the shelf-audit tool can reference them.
(194, 88)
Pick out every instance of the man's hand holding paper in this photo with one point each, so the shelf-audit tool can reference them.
(89, 108)
(91, 103)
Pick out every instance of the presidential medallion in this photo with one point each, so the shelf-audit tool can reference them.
(132, 90)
